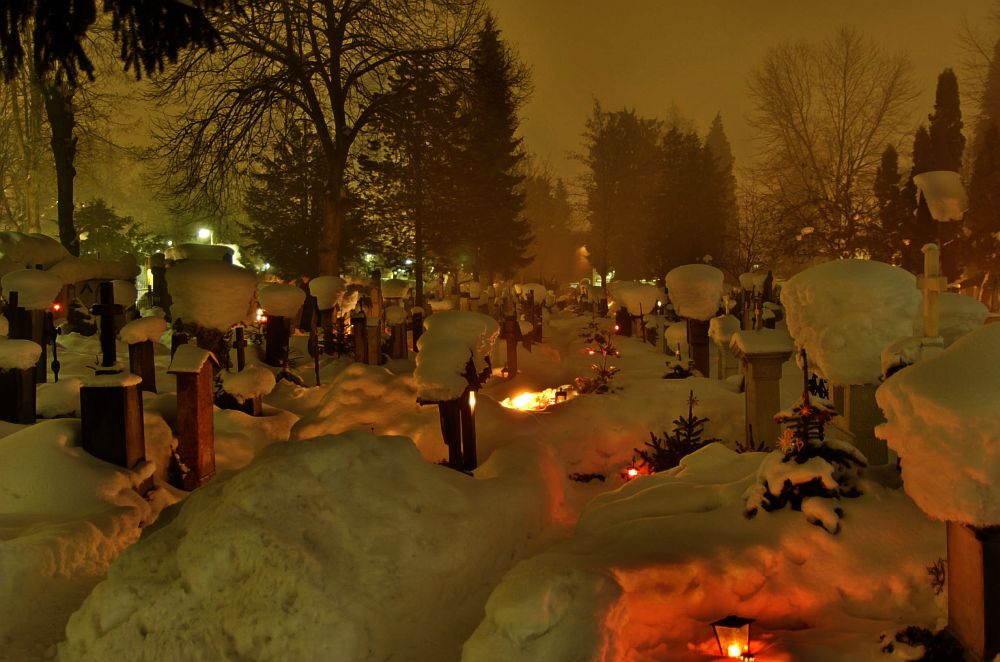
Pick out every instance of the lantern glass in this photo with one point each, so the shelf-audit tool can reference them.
(733, 635)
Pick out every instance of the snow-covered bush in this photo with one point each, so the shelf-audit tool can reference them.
(807, 470)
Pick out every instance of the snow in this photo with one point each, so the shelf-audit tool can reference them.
(19, 354)
(36, 290)
(57, 399)
(193, 251)
(281, 300)
(451, 339)
(316, 550)
(124, 292)
(845, 312)
(78, 269)
(944, 194)
(19, 250)
(395, 315)
(395, 288)
(327, 290)
(189, 359)
(958, 315)
(677, 337)
(4, 326)
(213, 295)
(537, 290)
(112, 380)
(248, 383)
(762, 341)
(722, 328)
(695, 290)
(143, 329)
(639, 298)
(942, 419)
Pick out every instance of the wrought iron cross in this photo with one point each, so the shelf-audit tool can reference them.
(106, 310)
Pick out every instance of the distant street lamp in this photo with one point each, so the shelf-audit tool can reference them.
(205, 233)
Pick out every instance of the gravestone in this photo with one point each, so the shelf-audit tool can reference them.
(277, 331)
(194, 369)
(763, 353)
(17, 380)
(30, 325)
(395, 318)
(161, 296)
(417, 313)
(111, 418)
(458, 422)
(359, 328)
(697, 337)
(140, 362)
(511, 334)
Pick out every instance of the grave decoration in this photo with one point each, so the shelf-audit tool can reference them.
(29, 294)
(539, 400)
(194, 369)
(281, 304)
(17, 380)
(807, 472)
(695, 290)
(666, 452)
(942, 420)
(843, 313)
(329, 292)
(111, 419)
(246, 389)
(209, 298)
(763, 353)
(452, 364)
(140, 336)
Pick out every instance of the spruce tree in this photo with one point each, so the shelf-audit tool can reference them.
(983, 218)
(718, 145)
(921, 228)
(886, 244)
(282, 204)
(496, 236)
(947, 141)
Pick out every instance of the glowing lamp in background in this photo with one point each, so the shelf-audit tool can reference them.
(472, 401)
(733, 635)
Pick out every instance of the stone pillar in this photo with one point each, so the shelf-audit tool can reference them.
(161, 297)
(111, 419)
(17, 395)
(974, 589)
(397, 341)
(932, 283)
(860, 415)
(697, 338)
(140, 362)
(28, 325)
(194, 369)
(763, 353)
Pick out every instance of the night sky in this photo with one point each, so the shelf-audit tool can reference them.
(654, 54)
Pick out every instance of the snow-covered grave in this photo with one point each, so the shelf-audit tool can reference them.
(452, 364)
(194, 369)
(942, 420)
(282, 305)
(140, 335)
(763, 353)
(695, 290)
(29, 294)
(329, 533)
(843, 313)
(17, 380)
(634, 301)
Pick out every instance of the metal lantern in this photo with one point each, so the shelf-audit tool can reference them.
(561, 395)
(733, 635)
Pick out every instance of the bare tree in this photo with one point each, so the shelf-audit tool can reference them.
(327, 60)
(824, 113)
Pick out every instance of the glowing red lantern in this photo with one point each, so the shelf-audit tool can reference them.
(733, 635)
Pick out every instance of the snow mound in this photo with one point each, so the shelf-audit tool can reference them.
(395, 288)
(36, 290)
(538, 291)
(143, 329)
(762, 341)
(942, 419)
(958, 315)
(281, 300)
(327, 290)
(19, 250)
(248, 383)
(194, 251)
(844, 312)
(306, 555)
(452, 338)
(722, 328)
(639, 298)
(653, 563)
(213, 295)
(19, 354)
(695, 290)
(395, 315)
(78, 269)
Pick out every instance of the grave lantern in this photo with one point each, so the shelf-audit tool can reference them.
(733, 636)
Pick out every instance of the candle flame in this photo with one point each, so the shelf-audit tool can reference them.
(632, 472)
(734, 650)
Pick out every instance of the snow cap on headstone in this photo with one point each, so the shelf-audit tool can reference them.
(958, 315)
(248, 383)
(19, 250)
(451, 339)
(944, 194)
(695, 290)
(395, 288)
(844, 312)
(327, 290)
(78, 269)
(281, 300)
(36, 290)
(637, 297)
(942, 419)
(213, 295)
(19, 354)
(143, 329)
(189, 359)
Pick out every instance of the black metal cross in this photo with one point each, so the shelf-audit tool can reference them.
(106, 310)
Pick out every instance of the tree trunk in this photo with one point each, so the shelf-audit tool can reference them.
(62, 120)
(333, 209)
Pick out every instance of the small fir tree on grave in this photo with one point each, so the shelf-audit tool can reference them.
(807, 469)
(603, 372)
(666, 452)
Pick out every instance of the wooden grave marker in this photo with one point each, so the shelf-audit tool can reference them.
(194, 369)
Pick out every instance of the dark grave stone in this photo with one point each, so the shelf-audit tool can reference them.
(697, 336)
(359, 329)
(17, 383)
(974, 589)
(418, 325)
(194, 369)
(511, 334)
(29, 325)
(277, 331)
(140, 362)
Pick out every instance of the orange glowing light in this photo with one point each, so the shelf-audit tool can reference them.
(617, 328)
(57, 307)
(734, 650)
(591, 352)
(632, 472)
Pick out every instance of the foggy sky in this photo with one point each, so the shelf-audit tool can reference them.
(696, 55)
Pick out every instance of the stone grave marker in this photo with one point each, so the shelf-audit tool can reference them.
(140, 335)
(763, 353)
(17, 380)
(194, 369)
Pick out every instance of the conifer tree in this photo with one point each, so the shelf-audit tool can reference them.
(983, 217)
(921, 228)
(718, 145)
(886, 244)
(947, 141)
(496, 236)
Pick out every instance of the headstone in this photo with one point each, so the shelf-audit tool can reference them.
(373, 353)
(932, 283)
(140, 362)
(17, 381)
(763, 353)
(359, 327)
(277, 331)
(417, 314)
(194, 369)
(860, 414)
(240, 343)
(512, 334)
(458, 422)
(28, 325)
(974, 589)
(697, 338)
(161, 296)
